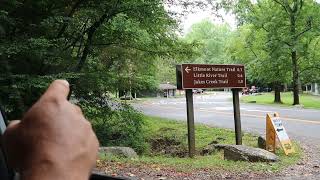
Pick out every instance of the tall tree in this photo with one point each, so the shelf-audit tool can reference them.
(265, 62)
(288, 23)
(211, 40)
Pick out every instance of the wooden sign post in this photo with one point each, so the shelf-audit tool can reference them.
(208, 76)
(236, 114)
(190, 123)
(275, 129)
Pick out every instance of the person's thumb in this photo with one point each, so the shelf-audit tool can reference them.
(58, 89)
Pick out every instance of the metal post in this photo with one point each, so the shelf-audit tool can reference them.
(190, 118)
(236, 112)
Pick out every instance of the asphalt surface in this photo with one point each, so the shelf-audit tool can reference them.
(302, 125)
(216, 109)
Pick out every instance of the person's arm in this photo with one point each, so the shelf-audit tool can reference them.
(53, 140)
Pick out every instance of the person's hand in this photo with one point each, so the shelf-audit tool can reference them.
(53, 140)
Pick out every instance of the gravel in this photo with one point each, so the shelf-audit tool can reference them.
(307, 168)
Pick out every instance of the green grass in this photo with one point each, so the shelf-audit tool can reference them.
(204, 135)
(307, 100)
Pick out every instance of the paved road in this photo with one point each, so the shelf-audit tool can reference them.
(216, 109)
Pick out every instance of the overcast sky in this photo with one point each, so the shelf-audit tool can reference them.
(200, 15)
(205, 14)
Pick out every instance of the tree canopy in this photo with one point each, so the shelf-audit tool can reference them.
(98, 45)
(211, 39)
(287, 31)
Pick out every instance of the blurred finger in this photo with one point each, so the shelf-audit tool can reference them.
(58, 89)
(78, 109)
(11, 131)
(13, 124)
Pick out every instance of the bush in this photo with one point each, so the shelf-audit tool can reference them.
(120, 125)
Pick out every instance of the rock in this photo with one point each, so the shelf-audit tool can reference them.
(245, 153)
(220, 146)
(261, 142)
(300, 163)
(131, 175)
(126, 152)
(210, 149)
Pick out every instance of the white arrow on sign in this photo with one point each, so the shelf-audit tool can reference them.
(187, 69)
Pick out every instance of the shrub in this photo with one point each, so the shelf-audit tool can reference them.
(120, 125)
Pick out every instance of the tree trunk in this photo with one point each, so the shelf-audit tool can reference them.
(86, 51)
(294, 59)
(121, 93)
(277, 92)
(285, 87)
(300, 86)
(295, 78)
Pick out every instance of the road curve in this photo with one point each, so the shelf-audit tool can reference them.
(217, 110)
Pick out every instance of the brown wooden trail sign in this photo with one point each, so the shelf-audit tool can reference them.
(208, 76)
(275, 130)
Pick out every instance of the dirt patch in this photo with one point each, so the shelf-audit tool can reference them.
(150, 172)
(166, 142)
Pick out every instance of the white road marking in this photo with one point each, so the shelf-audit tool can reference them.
(248, 115)
(257, 110)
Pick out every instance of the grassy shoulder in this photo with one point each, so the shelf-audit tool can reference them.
(307, 100)
(204, 136)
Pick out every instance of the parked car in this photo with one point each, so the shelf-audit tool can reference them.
(128, 97)
(267, 89)
(245, 91)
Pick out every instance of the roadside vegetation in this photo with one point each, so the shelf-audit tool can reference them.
(167, 147)
(106, 47)
(307, 100)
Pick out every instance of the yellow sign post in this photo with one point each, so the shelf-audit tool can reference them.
(275, 128)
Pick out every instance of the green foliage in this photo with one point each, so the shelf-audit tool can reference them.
(100, 46)
(204, 135)
(116, 125)
(286, 32)
(211, 39)
(265, 62)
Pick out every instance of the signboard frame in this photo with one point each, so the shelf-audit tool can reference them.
(180, 80)
(189, 101)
